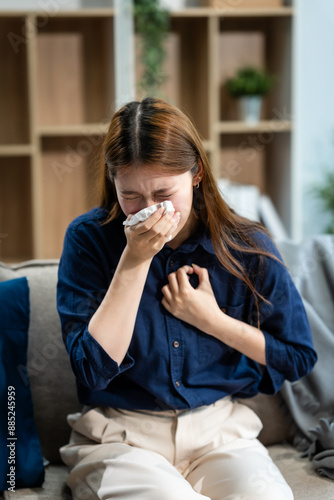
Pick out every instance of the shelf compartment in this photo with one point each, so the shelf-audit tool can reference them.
(15, 209)
(263, 160)
(242, 159)
(74, 71)
(264, 43)
(68, 169)
(14, 127)
(187, 77)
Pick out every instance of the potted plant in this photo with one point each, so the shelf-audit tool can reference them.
(248, 87)
(152, 24)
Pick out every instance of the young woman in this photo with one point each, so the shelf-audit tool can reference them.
(168, 321)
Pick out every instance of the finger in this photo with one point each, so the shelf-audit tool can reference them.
(146, 225)
(167, 293)
(166, 304)
(173, 284)
(170, 234)
(183, 279)
(202, 273)
(187, 269)
(164, 228)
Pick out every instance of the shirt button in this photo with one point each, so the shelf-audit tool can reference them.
(177, 383)
(176, 344)
(171, 264)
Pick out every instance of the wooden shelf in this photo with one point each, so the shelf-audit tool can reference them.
(230, 12)
(187, 13)
(16, 150)
(237, 127)
(72, 130)
(84, 13)
(57, 96)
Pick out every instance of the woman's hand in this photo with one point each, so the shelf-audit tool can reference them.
(196, 306)
(147, 238)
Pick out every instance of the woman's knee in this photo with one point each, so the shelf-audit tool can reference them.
(266, 488)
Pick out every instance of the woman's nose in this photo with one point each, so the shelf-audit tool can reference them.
(148, 203)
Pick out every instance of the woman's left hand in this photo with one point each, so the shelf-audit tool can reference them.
(196, 306)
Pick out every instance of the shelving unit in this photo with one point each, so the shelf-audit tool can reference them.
(57, 96)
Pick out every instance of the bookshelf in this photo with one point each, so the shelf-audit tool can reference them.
(57, 96)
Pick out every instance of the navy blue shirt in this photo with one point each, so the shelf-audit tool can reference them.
(169, 363)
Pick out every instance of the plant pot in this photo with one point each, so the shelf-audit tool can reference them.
(172, 4)
(250, 108)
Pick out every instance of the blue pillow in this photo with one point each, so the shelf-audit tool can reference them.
(21, 461)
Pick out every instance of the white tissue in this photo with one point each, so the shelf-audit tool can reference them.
(148, 211)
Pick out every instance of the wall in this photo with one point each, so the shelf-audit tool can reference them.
(313, 109)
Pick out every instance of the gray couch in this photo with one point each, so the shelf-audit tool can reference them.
(54, 396)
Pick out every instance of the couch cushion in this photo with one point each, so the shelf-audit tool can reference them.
(52, 381)
(54, 487)
(278, 424)
(305, 483)
(21, 461)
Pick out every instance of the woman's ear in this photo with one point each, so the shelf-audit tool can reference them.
(199, 174)
(200, 169)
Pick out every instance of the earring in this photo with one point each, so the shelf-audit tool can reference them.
(197, 185)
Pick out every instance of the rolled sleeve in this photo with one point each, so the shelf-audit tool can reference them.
(93, 365)
(289, 346)
(83, 279)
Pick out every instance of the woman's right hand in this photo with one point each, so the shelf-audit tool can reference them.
(147, 238)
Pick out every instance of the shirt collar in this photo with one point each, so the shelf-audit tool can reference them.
(200, 238)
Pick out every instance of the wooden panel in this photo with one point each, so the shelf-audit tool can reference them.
(279, 177)
(279, 63)
(14, 124)
(60, 79)
(15, 209)
(75, 71)
(243, 160)
(186, 85)
(194, 72)
(68, 186)
(170, 89)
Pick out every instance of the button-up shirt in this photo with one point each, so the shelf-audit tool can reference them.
(170, 363)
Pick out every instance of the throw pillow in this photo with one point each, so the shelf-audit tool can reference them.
(21, 461)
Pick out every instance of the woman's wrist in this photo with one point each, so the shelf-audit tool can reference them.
(241, 336)
(134, 259)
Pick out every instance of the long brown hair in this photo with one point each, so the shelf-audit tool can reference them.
(156, 134)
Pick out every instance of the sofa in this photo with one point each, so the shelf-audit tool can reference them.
(54, 395)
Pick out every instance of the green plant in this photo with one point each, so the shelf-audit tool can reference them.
(249, 81)
(152, 24)
(325, 192)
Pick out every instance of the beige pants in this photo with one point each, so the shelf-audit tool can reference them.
(207, 453)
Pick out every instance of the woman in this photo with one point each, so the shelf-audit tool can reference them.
(168, 321)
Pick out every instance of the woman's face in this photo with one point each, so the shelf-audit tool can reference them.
(138, 188)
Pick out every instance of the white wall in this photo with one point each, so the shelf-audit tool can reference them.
(313, 152)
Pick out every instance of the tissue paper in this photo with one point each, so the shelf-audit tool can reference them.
(148, 211)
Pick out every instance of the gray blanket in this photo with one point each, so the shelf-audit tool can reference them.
(311, 399)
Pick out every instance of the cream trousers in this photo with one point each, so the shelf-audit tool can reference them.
(211, 452)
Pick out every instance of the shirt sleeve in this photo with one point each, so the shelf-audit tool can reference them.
(289, 346)
(83, 278)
